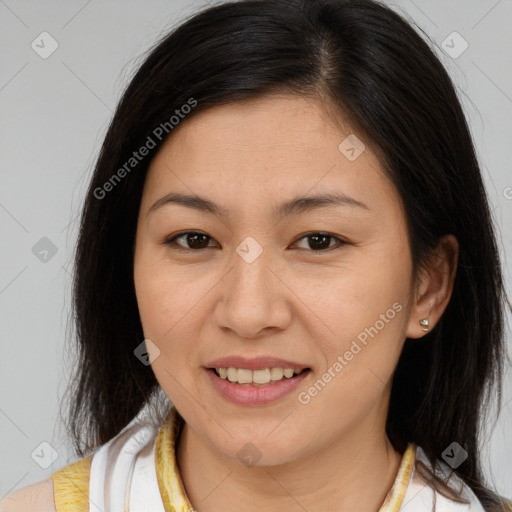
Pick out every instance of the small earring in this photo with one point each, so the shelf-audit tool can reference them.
(426, 324)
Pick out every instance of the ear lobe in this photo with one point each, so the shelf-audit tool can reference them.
(434, 288)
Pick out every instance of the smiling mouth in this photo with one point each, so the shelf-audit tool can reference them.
(263, 377)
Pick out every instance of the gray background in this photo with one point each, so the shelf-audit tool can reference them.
(54, 113)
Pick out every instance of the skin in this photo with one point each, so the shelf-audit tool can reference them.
(292, 302)
(37, 496)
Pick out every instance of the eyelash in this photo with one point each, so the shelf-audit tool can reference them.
(172, 241)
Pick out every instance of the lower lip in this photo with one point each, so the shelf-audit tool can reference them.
(261, 394)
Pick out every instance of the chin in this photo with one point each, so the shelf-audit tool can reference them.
(262, 450)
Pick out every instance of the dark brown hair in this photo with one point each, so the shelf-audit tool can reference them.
(371, 66)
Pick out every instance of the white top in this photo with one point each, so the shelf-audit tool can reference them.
(123, 478)
(420, 497)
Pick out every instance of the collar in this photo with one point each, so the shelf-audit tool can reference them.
(172, 489)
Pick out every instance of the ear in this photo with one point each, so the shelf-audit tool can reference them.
(434, 286)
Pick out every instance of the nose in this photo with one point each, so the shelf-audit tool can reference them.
(255, 302)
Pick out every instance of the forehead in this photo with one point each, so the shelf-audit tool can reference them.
(272, 146)
(268, 125)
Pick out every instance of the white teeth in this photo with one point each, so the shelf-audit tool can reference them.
(276, 373)
(244, 376)
(260, 376)
(265, 376)
(232, 374)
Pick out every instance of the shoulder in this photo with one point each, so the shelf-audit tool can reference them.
(66, 490)
(37, 497)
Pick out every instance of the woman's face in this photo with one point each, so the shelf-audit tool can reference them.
(274, 279)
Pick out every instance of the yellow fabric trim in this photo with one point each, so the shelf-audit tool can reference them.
(71, 486)
(171, 486)
(169, 481)
(71, 483)
(396, 495)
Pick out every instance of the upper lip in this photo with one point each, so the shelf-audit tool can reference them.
(255, 363)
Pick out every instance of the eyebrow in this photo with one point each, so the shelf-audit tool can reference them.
(293, 207)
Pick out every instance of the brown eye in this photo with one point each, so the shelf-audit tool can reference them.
(193, 239)
(318, 242)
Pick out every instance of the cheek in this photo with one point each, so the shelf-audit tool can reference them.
(155, 296)
(354, 298)
(165, 311)
(163, 293)
(152, 300)
(171, 307)
(365, 306)
(162, 309)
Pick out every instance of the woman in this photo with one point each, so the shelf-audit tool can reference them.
(287, 237)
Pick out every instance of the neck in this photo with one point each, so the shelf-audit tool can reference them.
(355, 473)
